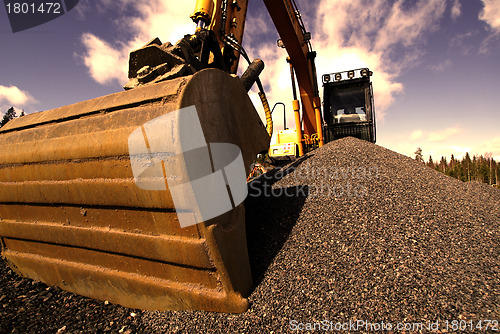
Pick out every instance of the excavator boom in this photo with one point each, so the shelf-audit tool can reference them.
(295, 39)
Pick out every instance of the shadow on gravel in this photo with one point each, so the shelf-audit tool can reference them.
(270, 215)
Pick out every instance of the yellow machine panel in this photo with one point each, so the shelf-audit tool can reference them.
(286, 144)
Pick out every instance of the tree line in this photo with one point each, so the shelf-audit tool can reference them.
(478, 168)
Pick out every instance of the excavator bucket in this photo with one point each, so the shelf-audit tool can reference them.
(74, 214)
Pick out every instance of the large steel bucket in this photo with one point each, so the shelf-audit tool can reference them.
(72, 214)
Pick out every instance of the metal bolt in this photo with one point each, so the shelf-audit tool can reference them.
(235, 4)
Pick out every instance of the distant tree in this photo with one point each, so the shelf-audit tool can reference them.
(483, 169)
(418, 155)
(460, 172)
(475, 169)
(496, 174)
(10, 114)
(443, 164)
(452, 161)
(22, 113)
(467, 165)
(489, 159)
(430, 163)
(452, 167)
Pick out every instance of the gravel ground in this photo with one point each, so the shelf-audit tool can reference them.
(352, 232)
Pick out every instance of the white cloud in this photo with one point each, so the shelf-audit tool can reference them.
(456, 9)
(406, 25)
(12, 96)
(491, 14)
(457, 151)
(428, 141)
(436, 145)
(439, 136)
(416, 135)
(492, 146)
(168, 20)
(104, 62)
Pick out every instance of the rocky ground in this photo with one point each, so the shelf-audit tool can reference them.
(352, 232)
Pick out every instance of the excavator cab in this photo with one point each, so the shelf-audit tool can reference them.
(348, 105)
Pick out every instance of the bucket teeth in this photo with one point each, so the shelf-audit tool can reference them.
(156, 62)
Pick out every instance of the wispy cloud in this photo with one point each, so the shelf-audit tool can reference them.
(12, 96)
(456, 9)
(416, 135)
(445, 142)
(461, 42)
(442, 67)
(439, 136)
(491, 146)
(435, 136)
(438, 143)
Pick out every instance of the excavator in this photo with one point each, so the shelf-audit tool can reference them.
(97, 197)
(348, 111)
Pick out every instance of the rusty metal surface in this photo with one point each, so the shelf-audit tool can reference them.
(71, 214)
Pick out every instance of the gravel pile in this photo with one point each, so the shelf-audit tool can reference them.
(352, 232)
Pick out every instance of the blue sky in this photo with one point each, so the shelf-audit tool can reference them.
(435, 62)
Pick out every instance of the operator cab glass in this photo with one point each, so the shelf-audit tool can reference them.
(347, 105)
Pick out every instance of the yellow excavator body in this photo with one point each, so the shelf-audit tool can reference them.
(72, 215)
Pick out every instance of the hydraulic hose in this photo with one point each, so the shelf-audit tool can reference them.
(267, 110)
(269, 126)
